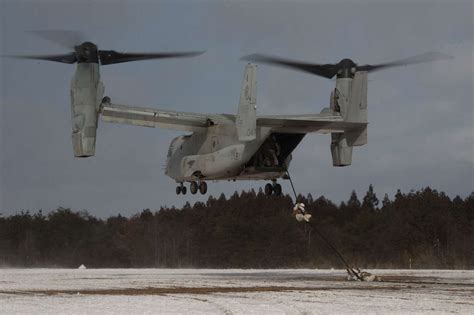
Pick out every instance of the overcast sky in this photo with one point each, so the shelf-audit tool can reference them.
(421, 117)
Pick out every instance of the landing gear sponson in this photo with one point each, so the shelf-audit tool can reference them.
(194, 187)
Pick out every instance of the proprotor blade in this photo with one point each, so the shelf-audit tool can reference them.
(426, 57)
(323, 70)
(108, 57)
(63, 58)
(67, 39)
(344, 68)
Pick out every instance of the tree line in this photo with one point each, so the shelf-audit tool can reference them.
(418, 229)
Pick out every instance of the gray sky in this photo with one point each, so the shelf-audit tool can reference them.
(421, 117)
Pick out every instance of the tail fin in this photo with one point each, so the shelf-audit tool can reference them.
(246, 120)
(357, 111)
(350, 98)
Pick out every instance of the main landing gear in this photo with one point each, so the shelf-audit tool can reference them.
(273, 189)
(194, 187)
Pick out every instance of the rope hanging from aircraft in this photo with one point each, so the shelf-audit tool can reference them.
(349, 269)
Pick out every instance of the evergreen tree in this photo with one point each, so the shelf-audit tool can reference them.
(370, 201)
(353, 201)
(250, 230)
(386, 202)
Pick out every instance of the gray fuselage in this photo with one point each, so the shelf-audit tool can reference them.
(217, 154)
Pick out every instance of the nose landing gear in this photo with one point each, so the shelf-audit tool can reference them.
(181, 189)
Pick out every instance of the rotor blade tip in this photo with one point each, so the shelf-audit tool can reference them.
(65, 38)
(251, 56)
(195, 53)
(446, 56)
(437, 55)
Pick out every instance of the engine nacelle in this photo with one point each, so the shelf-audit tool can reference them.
(341, 152)
(350, 99)
(86, 96)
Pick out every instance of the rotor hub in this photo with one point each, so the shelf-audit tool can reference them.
(347, 68)
(87, 53)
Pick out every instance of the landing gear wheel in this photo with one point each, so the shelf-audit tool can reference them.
(183, 190)
(178, 190)
(193, 187)
(203, 188)
(268, 189)
(277, 189)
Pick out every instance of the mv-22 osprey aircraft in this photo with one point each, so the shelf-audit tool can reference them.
(226, 146)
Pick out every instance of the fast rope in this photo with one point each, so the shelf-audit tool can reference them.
(313, 228)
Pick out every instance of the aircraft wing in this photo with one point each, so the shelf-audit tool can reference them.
(186, 121)
(318, 123)
(147, 117)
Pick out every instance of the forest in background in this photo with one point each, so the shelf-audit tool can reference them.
(418, 229)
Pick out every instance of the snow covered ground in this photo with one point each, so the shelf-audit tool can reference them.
(232, 291)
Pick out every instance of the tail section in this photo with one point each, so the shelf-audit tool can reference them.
(350, 99)
(246, 120)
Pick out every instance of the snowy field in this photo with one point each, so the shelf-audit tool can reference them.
(232, 291)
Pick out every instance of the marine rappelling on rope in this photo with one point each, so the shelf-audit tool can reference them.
(299, 213)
